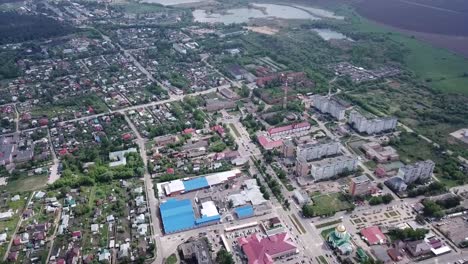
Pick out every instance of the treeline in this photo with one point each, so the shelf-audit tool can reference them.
(8, 67)
(15, 27)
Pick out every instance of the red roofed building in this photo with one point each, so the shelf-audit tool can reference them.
(219, 129)
(13, 256)
(43, 121)
(265, 250)
(170, 170)
(289, 129)
(76, 234)
(127, 136)
(268, 144)
(63, 152)
(373, 236)
(188, 131)
(380, 172)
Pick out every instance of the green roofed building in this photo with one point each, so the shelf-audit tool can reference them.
(362, 256)
(340, 240)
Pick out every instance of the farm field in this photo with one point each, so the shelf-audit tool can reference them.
(419, 15)
(439, 68)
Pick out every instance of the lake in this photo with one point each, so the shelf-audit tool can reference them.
(241, 15)
(328, 34)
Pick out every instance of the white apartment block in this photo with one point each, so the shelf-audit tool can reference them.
(317, 151)
(328, 106)
(327, 168)
(421, 171)
(371, 126)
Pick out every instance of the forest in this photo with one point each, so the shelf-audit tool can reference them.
(15, 27)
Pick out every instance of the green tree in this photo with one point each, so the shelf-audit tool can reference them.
(224, 257)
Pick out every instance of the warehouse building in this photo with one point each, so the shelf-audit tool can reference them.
(178, 215)
(179, 186)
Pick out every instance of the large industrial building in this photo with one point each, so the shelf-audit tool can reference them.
(176, 187)
(371, 126)
(419, 171)
(327, 168)
(329, 106)
(317, 151)
(178, 215)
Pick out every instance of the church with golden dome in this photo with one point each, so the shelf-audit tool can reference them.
(340, 240)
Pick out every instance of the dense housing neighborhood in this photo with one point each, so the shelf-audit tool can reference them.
(138, 132)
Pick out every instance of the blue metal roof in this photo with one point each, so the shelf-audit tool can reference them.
(244, 211)
(207, 219)
(195, 184)
(177, 215)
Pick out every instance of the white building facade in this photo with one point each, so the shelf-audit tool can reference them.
(327, 168)
(421, 171)
(371, 126)
(328, 106)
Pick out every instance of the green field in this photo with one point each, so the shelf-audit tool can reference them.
(26, 183)
(234, 129)
(326, 232)
(328, 204)
(139, 8)
(439, 68)
(322, 225)
(172, 259)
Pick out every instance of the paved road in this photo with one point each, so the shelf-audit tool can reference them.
(309, 242)
(53, 173)
(150, 197)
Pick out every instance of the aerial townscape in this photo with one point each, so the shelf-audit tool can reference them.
(232, 131)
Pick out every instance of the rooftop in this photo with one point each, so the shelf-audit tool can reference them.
(263, 250)
(177, 215)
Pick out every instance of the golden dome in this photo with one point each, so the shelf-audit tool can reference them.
(341, 228)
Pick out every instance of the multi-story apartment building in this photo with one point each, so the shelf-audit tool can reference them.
(371, 126)
(329, 106)
(327, 168)
(419, 171)
(317, 151)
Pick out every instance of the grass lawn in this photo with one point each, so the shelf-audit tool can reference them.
(443, 68)
(326, 232)
(407, 145)
(322, 259)
(234, 129)
(328, 223)
(298, 223)
(26, 183)
(172, 259)
(327, 204)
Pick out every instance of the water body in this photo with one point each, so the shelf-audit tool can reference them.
(172, 2)
(241, 15)
(328, 34)
(320, 12)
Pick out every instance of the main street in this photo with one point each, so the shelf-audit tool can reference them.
(310, 241)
